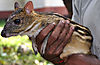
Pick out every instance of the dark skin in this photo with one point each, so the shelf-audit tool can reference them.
(82, 59)
(54, 49)
(68, 5)
(56, 40)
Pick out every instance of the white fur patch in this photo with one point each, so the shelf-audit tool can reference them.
(33, 30)
(27, 28)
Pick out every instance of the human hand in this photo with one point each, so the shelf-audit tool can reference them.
(56, 41)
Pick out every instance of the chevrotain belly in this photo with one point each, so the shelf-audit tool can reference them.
(76, 45)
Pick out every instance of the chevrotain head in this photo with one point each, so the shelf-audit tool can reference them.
(19, 20)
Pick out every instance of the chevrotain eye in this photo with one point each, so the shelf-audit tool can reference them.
(17, 21)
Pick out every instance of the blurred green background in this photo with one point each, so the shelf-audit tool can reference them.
(18, 51)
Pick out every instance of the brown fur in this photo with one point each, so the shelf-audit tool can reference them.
(80, 41)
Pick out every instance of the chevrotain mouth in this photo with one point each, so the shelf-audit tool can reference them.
(6, 35)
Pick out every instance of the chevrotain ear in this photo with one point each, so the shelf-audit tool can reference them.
(29, 7)
(16, 5)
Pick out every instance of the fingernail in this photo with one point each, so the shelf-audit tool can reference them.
(54, 23)
(72, 27)
(63, 21)
(60, 21)
(67, 21)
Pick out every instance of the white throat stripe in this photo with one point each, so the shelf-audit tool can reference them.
(28, 27)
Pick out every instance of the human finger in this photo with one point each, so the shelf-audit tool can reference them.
(63, 44)
(56, 44)
(55, 34)
(40, 37)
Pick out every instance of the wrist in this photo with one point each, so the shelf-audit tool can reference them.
(58, 61)
(61, 62)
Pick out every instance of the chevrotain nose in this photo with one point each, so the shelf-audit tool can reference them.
(3, 33)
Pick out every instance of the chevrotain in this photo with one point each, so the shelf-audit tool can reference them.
(25, 21)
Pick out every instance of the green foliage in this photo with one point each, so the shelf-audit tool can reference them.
(9, 48)
(2, 22)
